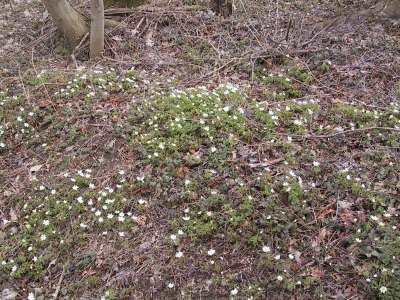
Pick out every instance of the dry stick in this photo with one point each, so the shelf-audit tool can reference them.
(23, 85)
(57, 291)
(41, 83)
(288, 30)
(77, 47)
(319, 32)
(344, 132)
(135, 31)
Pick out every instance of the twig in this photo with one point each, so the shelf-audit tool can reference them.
(26, 94)
(41, 83)
(57, 291)
(77, 47)
(319, 32)
(135, 31)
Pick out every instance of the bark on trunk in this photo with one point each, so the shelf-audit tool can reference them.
(96, 28)
(222, 7)
(69, 21)
(392, 10)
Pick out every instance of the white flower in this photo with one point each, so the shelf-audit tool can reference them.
(211, 252)
(277, 257)
(374, 218)
(46, 222)
(316, 164)
(291, 256)
(280, 278)
(82, 225)
(43, 237)
(121, 234)
(213, 149)
(234, 291)
(91, 186)
(266, 249)
(173, 237)
(383, 289)
(31, 296)
(180, 232)
(297, 122)
(14, 268)
(171, 285)
(79, 199)
(75, 187)
(179, 254)
(141, 201)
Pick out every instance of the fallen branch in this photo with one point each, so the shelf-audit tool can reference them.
(57, 291)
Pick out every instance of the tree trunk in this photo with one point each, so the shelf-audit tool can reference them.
(69, 21)
(222, 7)
(96, 28)
(392, 10)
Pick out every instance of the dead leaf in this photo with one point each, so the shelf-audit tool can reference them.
(317, 273)
(347, 216)
(13, 215)
(325, 211)
(182, 171)
(323, 233)
(35, 168)
(149, 39)
(344, 204)
(316, 242)
(141, 220)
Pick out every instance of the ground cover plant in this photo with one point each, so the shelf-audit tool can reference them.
(204, 170)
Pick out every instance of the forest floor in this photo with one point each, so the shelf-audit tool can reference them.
(249, 157)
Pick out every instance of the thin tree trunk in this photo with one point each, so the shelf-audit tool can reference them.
(96, 28)
(69, 21)
(221, 7)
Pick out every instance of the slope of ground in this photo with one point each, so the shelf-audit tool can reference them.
(255, 157)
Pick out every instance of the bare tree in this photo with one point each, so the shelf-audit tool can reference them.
(68, 20)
